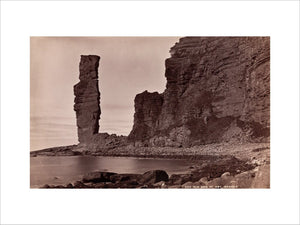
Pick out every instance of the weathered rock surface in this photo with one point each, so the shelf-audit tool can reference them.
(218, 90)
(97, 176)
(154, 176)
(107, 141)
(87, 98)
(147, 110)
(125, 177)
(101, 142)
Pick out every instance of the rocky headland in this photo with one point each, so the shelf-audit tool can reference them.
(216, 107)
(217, 90)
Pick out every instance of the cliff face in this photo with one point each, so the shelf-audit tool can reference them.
(87, 98)
(218, 89)
(147, 111)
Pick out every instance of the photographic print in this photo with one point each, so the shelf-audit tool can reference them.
(150, 112)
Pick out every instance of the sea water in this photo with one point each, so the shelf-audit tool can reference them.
(66, 169)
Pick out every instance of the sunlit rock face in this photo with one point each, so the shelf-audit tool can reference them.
(87, 98)
(218, 90)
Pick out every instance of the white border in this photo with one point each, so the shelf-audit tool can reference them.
(20, 20)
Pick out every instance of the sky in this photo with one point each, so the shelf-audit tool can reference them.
(128, 66)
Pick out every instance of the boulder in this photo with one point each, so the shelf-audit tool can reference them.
(179, 179)
(176, 179)
(97, 176)
(125, 177)
(154, 176)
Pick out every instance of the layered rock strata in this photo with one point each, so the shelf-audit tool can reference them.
(147, 110)
(218, 90)
(87, 98)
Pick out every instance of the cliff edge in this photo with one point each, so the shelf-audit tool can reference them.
(218, 90)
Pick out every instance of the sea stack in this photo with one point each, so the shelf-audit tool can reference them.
(87, 98)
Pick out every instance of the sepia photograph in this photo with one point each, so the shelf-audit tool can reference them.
(188, 112)
(149, 112)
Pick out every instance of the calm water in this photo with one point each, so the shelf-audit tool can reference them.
(52, 131)
(63, 170)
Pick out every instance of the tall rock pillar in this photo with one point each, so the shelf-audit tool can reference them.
(87, 98)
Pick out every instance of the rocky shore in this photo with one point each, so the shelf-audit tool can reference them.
(226, 166)
(228, 173)
(243, 150)
(56, 151)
